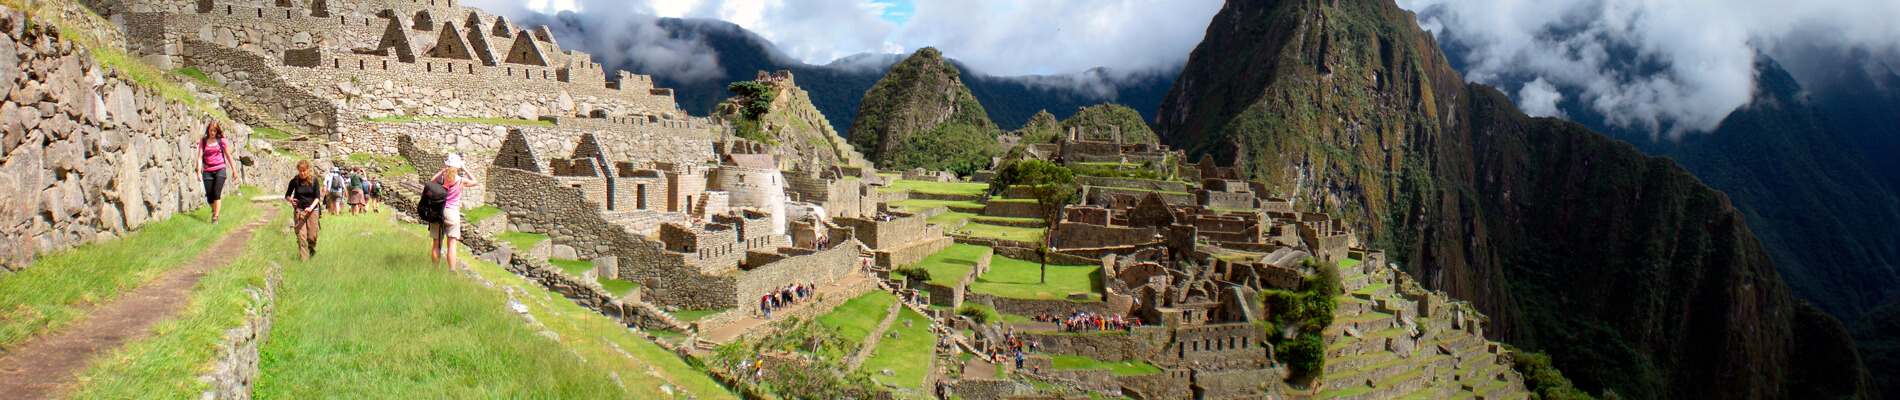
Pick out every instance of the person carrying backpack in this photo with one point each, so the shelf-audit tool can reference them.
(359, 191)
(333, 184)
(376, 196)
(214, 155)
(445, 188)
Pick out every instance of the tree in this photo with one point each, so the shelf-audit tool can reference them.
(1052, 185)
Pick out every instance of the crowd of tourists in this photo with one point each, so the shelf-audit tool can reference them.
(1084, 321)
(786, 296)
(337, 191)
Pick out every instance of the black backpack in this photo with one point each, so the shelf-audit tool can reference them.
(434, 199)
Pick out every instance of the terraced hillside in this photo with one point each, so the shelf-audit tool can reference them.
(1392, 339)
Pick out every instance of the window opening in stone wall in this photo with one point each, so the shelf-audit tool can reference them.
(428, 67)
(359, 65)
(385, 65)
(260, 13)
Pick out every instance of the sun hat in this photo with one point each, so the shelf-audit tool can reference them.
(454, 161)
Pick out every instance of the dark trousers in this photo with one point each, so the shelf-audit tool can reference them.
(214, 185)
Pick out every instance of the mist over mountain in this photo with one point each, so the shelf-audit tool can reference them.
(698, 57)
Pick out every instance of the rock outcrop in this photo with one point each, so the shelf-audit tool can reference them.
(1635, 277)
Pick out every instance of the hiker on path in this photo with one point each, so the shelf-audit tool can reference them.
(214, 152)
(453, 179)
(305, 195)
(359, 192)
(376, 196)
(333, 185)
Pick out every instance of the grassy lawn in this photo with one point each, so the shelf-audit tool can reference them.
(397, 167)
(522, 241)
(949, 265)
(167, 364)
(1350, 262)
(856, 318)
(960, 188)
(907, 355)
(478, 214)
(60, 288)
(695, 315)
(1018, 279)
(950, 218)
(618, 287)
(572, 267)
(492, 121)
(372, 318)
(1123, 368)
(916, 205)
(979, 229)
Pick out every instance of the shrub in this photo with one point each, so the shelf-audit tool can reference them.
(980, 313)
(1544, 380)
(916, 274)
(1305, 356)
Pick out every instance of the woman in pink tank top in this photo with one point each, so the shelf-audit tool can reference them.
(214, 155)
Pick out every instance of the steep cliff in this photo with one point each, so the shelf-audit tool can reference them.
(792, 124)
(920, 115)
(1630, 273)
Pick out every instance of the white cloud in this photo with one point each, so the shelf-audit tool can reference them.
(1017, 37)
(1668, 67)
(1539, 98)
(998, 37)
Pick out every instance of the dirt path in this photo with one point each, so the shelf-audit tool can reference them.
(39, 368)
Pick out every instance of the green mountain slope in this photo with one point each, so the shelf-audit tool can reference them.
(1635, 277)
(921, 115)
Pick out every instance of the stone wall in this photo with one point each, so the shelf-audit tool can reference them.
(1013, 209)
(1235, 383)
(913, 253)
(683, 145)
(1170, 384)
(88, 155)
(1104, 346)
(1030, 307)
(1079, 235)
(1130, 183)
(987, 389)
(251, 77)
(1106, 196)
(234, 370)
(819, 268)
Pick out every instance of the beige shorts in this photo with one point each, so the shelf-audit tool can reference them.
(451, 227)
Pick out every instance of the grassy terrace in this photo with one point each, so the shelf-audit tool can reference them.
(958, 188)
(856, 318)
(1123, 368)
(61, 288)
(1014, 278)
(167, 365)
(905, 354)
(521, 241)
(949, 265)
(1003, 232)
(695, 315)
(478, 214)
(492, 121)
(916, 205)
(572, 267)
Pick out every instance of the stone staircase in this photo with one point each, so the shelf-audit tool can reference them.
(1383, 346)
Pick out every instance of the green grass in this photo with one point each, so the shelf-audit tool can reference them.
(194, 73)
(907, 355)
(1003, 232)
(1123, 368)
(619, 288)
(492, 121)
(1014, 278)
(950, 218)
(477, 214)
(1349, 263)
(572, 267)
(58, 289)
(270, 133)
(521, 240)
(167, 364)
(948, 266)
(916, 205)
(957, 188)
(371, 317)
(695, 315)
(857, 317)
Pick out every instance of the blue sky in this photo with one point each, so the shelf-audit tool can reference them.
(896, 11)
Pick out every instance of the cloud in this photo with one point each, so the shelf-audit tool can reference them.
(1668, 67)
(617, 33)
(1023, 37)
(1539, 98)
(996, 37)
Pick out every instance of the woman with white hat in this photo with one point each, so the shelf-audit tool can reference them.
(452, 178)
